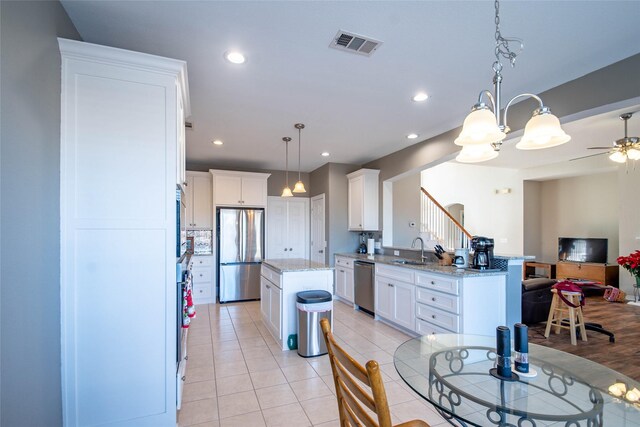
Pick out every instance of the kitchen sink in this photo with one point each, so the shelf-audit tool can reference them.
(408, 262)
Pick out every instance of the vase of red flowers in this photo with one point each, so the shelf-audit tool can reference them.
(631, 263)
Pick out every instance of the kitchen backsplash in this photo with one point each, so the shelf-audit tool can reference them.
(202, 241)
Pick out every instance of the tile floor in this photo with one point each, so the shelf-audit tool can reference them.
(237, 375)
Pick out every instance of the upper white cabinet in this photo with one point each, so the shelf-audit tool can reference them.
(363, 200)
(199, 200)
(232, 188)
(181, 149)
(288, 227)
(121, 122)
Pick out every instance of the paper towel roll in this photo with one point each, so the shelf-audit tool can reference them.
(371, 246)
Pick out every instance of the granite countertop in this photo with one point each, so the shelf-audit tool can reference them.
(430, 267)
(295, 264)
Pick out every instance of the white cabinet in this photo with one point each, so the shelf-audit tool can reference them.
(181, 149)
(198, 200)
(121, 123)
(270, 306)
(344, 278)
(232, 188)
(395, 295)
(278, 291)
(288, 227)
(363, 200)
(202, 273)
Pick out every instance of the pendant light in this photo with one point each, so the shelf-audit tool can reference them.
(486, 125)
(286, 192)
(299, 187)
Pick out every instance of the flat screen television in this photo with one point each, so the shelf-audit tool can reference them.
(582, 250)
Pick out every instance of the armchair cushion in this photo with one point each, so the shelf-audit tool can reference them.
(536, 300)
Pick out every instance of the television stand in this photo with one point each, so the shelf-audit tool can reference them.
(606, 274)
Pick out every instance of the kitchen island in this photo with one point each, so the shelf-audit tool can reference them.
(280, 281)
(429, 298)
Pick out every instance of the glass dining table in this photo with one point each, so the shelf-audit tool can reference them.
(451, 371)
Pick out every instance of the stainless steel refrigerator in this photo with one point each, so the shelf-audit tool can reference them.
(240, 251)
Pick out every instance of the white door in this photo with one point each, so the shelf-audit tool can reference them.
(318, 243)
(404, 305)
(188, 199)
(253, 191)
(227, 190)
(277, 228)
(202, 205)
(356, 200)
(298, 227)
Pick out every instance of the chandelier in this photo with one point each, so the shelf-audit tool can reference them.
(486, 126)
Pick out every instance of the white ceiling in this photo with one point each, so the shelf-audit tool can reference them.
(358, 108)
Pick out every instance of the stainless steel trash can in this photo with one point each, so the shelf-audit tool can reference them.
(312, 306)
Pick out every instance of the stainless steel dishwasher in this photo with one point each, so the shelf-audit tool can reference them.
(364, 285)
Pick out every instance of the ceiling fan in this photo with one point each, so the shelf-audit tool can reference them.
(623, 148)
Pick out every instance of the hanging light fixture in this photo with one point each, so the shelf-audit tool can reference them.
(486, 125)
(627, 147)
(286, 192)
(299, 187)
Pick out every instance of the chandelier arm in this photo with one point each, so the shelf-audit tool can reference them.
(491, 98)
(522, 95)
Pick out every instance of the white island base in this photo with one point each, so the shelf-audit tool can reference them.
(280, 281)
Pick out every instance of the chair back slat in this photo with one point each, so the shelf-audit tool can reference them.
(351, 364)
(353, 399)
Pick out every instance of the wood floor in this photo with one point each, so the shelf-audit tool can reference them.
(621, 319)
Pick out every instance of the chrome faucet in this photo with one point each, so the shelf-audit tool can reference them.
(413, 245)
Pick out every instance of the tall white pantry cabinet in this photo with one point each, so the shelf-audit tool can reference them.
(122, 154)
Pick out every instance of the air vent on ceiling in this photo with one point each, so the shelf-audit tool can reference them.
(188, 125)
(354, 43)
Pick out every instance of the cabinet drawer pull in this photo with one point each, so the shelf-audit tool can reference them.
(200, 274)
(285, 249)
(433, 298)
(433, 283)
(341, 271)
(390, 285)
(184, 378)
(290, 249)
(268, 287)
(433, 316)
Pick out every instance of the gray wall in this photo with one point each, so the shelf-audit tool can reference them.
(585, 206)
(30, 226)
(532, 212)
(406, 208)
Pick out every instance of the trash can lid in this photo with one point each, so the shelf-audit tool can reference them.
(311, 297)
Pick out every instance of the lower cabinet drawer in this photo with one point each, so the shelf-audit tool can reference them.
(202, 292)
(445, 302)
(271, 275)
(438, 317)
(201, 275)
(426, 328)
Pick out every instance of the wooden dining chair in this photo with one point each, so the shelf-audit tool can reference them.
(354, 401)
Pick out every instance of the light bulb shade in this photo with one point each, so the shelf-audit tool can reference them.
(480, 127)
(633, 153)
(299, 187)
(286, 192)
(542, 131)
(476, 153)
(618, 157)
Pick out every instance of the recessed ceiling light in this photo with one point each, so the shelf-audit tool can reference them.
(235, 57)
(217, 142)
(420, 96)
(325, 154)
(412, 136)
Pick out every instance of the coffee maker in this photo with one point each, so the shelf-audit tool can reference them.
(483, 252)
(362, 249)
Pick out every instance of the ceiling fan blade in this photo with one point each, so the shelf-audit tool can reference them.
(592, 155)
(600, 148)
